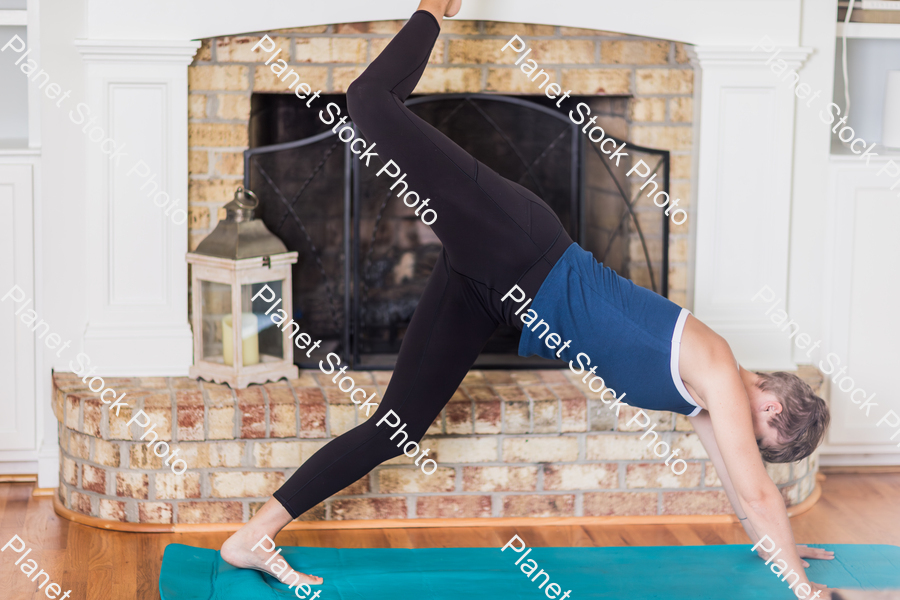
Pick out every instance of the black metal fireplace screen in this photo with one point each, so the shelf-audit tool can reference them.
(364, 259)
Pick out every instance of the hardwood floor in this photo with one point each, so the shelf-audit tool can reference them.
(107, 565)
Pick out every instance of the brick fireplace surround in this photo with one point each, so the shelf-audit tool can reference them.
(509, 443)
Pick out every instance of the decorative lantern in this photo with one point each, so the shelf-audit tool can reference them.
(241, 279)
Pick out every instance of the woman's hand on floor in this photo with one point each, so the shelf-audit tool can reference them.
(823, 592)
(805, 552)
(817, 553)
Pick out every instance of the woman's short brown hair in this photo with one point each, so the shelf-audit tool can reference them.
(802, 422)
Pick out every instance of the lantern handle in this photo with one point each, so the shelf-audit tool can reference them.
(240, 193)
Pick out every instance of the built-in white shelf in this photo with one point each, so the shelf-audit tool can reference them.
(841, 152)
(13, 144)
(13, 17)
(14, 97)
(869, 60)
(885, 31)
(880, 5)
(18, 153)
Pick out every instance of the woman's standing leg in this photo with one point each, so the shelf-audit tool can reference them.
(446, 334)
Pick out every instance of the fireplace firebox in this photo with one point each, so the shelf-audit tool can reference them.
(364, 259)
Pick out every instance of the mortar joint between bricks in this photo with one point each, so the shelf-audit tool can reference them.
(298, 422)
(267, 401)
(132, 514)
(80, 414)
(579, 504)
(110, 482)
(175, 429)
(236, 419)
(205, 484)
(559, 417)
(530, 413)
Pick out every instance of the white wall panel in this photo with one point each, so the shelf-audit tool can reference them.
(139, 271)
(862, 287)
(741, 218)
(136, 271)
(742, 199)
(17, 401)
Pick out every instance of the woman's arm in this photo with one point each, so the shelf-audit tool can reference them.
(703, 427)
(709, 367)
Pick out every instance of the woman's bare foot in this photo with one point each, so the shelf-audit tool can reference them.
(441, 8)
(453, 8)
(244, 550)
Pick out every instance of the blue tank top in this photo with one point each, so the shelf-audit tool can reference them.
(632, 335)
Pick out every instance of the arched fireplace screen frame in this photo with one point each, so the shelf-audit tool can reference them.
(354, 287)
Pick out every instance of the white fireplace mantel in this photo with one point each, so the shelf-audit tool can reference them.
(708, 22)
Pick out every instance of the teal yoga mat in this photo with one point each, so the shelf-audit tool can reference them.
(670, 572)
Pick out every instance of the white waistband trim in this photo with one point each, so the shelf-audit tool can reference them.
(673, 362)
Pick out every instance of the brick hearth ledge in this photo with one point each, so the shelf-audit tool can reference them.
(509, 444)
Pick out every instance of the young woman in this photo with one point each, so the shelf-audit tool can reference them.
(497, 235)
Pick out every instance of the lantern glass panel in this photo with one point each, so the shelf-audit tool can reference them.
(268, 327)
(216, 306)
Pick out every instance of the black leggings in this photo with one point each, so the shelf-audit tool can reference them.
(495, 234)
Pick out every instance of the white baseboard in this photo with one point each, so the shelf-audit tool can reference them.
(23, 467)
(48, 468)
(859, 460)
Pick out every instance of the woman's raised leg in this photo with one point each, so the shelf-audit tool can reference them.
(428, 372)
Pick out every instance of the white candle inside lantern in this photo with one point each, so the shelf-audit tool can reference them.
(250, 337)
